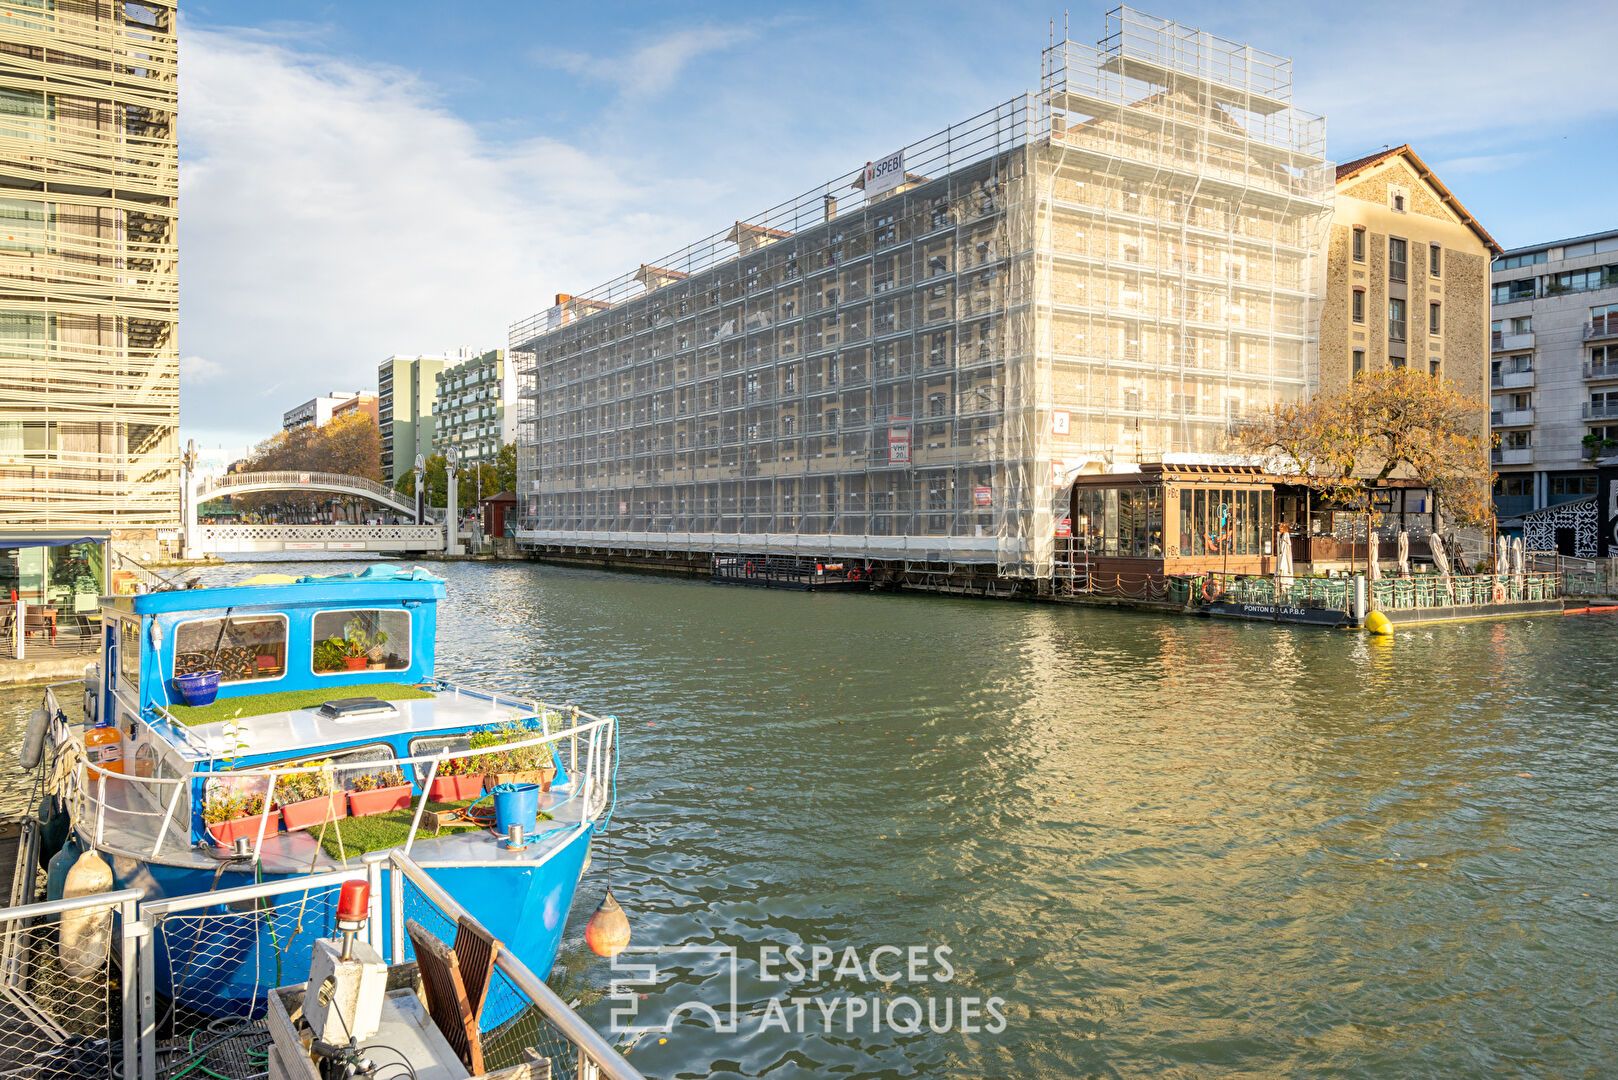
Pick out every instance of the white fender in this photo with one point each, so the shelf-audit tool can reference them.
(86, 932)
(92, 693)
(33, 740)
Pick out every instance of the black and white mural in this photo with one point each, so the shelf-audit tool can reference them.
(1573, 528)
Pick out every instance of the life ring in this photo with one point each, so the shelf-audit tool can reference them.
(1210, 589)
(33, 740)
(1499, 593)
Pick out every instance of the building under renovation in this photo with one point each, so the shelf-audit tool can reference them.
(909, 364)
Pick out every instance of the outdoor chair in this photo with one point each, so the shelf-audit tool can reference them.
(456, 983)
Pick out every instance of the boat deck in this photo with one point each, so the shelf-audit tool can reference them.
(303, 731)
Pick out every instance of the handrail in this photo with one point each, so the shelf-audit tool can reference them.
(72, 903)
(90, 794)
(590, 1043)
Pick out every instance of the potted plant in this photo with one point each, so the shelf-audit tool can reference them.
(457, 779)
(307, 799)
(229, 814)
(520, 765)
(377, 793)
(359, 644)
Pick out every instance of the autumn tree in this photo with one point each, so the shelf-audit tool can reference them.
(1402, 423)
(349, 445)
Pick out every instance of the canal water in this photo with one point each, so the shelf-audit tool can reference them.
(1167, 847)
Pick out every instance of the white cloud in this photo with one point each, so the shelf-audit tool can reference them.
(333, 213)
(1481, 163)
(199, 369)
(652, 68)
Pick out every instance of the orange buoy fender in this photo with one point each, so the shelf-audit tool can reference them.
(607, 932)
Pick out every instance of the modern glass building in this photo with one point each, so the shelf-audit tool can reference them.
(910, 364)
(89, 299)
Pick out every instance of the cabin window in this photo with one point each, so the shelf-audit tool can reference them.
(362, 639)
(244, 648)
(129, 653)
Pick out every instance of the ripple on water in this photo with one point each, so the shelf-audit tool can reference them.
(1173, 847)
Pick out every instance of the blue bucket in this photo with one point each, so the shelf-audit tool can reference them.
(198, 688)
(516, 804)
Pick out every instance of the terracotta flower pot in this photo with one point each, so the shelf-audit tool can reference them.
(541, 776)
(354, 663)
(455, 788)
(379, 801)
(224, 833)
(312, 813)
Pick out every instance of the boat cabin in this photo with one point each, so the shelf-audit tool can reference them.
(321, 681)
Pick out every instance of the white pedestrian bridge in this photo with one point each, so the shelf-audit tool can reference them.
(222, 539)
(209, 539)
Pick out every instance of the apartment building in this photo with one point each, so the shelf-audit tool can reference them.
(318, 412)
(89, 298)
(1554, 371)
(910, 363)
(406, 388)
(474, 411)
(1407, 278)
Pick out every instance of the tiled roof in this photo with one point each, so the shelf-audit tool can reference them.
(1350, 169)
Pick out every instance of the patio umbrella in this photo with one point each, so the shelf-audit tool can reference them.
(1373, 544)
(1440, 560)
(1518, 557)
(1404, 552)
(1502, 555)
(1283, 563)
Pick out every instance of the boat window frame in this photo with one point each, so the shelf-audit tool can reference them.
(410, 638)
(299, 760)
(286, 624)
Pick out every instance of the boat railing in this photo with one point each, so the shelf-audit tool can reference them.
(521, 1016)
(57, 961)
(149, 816)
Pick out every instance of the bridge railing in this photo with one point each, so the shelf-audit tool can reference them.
(294, 480)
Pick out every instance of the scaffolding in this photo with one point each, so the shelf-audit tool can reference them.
(89, 298)
(907, 363)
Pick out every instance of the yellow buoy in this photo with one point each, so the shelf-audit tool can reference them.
(1377, 623)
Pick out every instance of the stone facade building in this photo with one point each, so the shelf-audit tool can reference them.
(1407, 278)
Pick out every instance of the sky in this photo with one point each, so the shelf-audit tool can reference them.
(365, 178)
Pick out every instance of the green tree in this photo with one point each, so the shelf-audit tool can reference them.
(505, 465)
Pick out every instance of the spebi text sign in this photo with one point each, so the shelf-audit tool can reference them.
(885, 174)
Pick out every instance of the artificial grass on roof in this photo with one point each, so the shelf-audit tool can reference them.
(290, 700)
(378, 832)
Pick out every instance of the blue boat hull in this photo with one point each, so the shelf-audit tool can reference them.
(220, 960)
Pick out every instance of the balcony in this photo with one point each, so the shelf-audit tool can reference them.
(1601, 371)
(1606, 411)
(1511, 418)
(1512, 455)
(1514, 380)
(1604, 327)
(1503, 342)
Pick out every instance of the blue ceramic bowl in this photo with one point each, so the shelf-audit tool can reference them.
(198, 688)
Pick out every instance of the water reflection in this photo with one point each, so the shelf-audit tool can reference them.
(1170, 845)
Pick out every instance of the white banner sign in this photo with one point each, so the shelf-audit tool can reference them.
(884, 175)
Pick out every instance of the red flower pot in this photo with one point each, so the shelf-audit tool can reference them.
(455, 788)
(379, 801)
(225, 832)
(355, 663)
(312, 813)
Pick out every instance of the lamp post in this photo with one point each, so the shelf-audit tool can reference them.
(452, 542)
(420, 473)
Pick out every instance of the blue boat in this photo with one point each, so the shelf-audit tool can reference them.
(327, 711)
